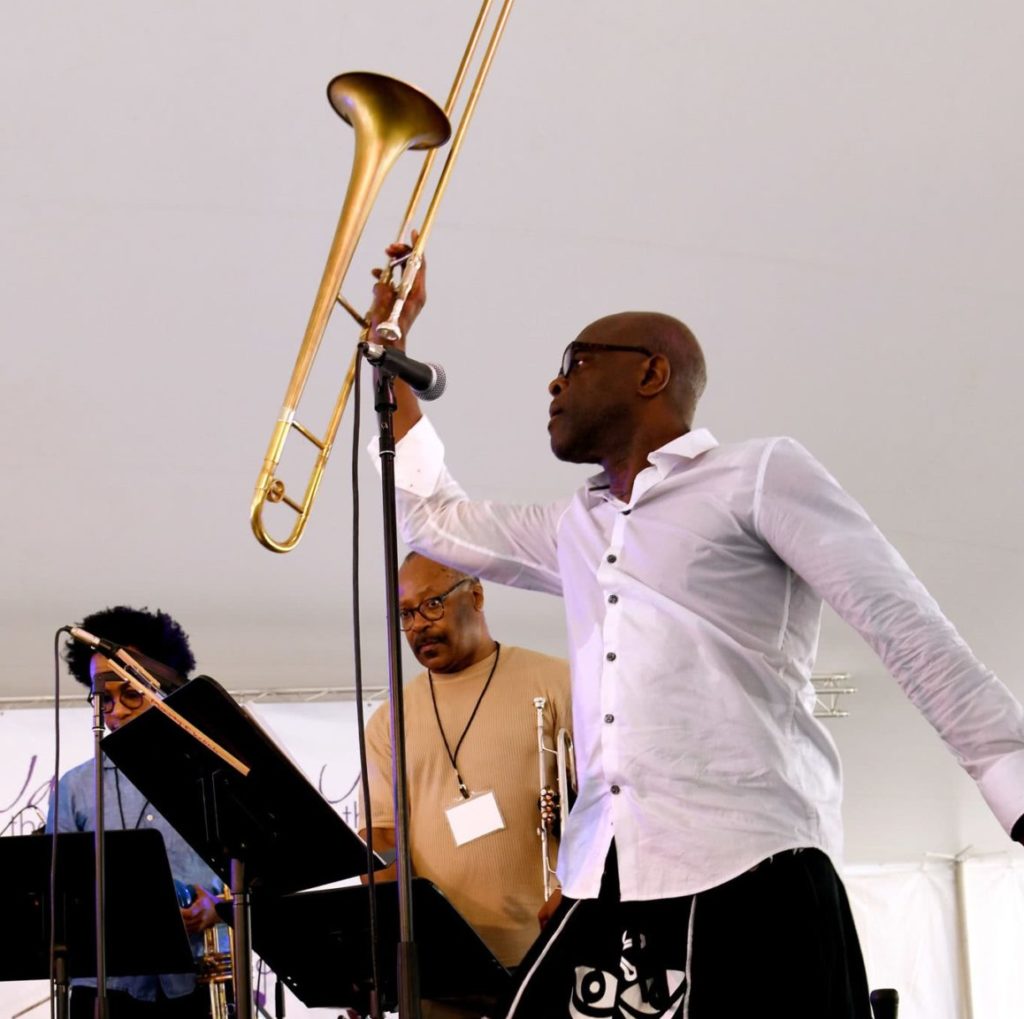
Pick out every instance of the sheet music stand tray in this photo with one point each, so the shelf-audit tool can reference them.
(330, 965)
(134, 855)
(269, 829)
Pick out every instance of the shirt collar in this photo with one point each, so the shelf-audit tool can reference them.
(687, 446)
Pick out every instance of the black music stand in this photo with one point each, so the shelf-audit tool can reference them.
(269, 829)
(140, 858)
(330, 966)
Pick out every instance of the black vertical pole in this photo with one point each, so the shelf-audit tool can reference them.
(241, 960)
(408, 960)
(99, 842)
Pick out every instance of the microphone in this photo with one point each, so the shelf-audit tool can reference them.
(96, 643)
(885, 1003)
(425, 378)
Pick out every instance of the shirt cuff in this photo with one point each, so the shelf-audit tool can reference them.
(1002, 785)
(419, 458)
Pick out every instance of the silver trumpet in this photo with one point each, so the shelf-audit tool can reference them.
(554, 799)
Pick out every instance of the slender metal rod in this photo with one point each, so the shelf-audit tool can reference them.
(408, 962)
(129, 670)
(449, 107)
(100, 855)
(964, 945)
(241, 942)
(460, 131)
(390, 330)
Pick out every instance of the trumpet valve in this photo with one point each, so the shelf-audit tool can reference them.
(548, 807)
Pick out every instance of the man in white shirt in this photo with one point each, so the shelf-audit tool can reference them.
(697, 863)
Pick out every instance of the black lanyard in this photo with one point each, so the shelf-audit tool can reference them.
(452, 757)
(120, 805)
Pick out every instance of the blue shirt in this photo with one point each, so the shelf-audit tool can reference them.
(124, 807)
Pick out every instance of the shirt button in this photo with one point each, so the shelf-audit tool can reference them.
(616, 790)
(149, 817)
(626, 512)
(609, 719)
(610, 656)
(613, 599)
(612, 558)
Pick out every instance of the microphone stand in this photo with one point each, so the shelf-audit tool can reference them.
(408, 959)
(136, 676)
(98, 728)
(99, 687)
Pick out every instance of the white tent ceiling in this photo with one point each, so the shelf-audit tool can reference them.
(828, 193)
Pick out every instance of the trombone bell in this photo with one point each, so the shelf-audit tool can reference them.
(388, 117)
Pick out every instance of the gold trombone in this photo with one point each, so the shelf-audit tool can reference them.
(388, 117)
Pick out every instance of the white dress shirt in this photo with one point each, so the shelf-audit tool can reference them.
(693, 615)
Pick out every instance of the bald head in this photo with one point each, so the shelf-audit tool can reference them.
(661, 334)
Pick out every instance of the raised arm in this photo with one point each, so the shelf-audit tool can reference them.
(408, 411)
(514, 545)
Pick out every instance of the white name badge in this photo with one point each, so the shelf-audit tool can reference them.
(473, 818)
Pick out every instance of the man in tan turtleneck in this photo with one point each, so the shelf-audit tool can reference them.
(471, 740)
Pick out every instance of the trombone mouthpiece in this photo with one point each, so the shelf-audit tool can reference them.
(389, 332)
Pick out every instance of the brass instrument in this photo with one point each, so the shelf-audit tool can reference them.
(215, 970)
(214, 965)
(388, 117)
(554, 800)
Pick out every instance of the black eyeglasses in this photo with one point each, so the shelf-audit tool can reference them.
(129, 697)
(578, 347)
(431, 609)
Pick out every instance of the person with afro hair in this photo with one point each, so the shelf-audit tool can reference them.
(156, 634)
(164, 645)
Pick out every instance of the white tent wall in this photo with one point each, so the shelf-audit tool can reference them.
(994, 888)
(918, 938)
(906, 913)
